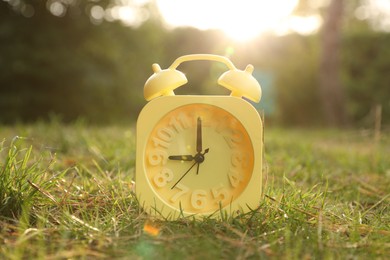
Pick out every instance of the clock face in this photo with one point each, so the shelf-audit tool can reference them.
(198, 158)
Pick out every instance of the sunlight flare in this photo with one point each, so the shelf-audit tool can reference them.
(241, 20)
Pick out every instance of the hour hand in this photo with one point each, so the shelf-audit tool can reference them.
(181, 157)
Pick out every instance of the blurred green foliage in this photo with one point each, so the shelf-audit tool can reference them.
(73, 67)
(366, 71)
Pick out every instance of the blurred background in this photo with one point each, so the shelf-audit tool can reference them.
(319, 62)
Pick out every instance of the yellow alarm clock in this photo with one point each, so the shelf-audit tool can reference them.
(199, 155)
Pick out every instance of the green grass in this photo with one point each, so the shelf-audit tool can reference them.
(66, 193)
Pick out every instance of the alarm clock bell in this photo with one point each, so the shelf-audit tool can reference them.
(241, 83)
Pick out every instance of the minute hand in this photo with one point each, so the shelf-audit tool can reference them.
(199, 136)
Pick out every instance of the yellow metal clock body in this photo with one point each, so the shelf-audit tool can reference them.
(198, 155)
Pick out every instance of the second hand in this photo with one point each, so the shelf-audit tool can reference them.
(184, 175)
(199, 158)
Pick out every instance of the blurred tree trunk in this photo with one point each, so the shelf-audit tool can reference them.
(331, 89)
